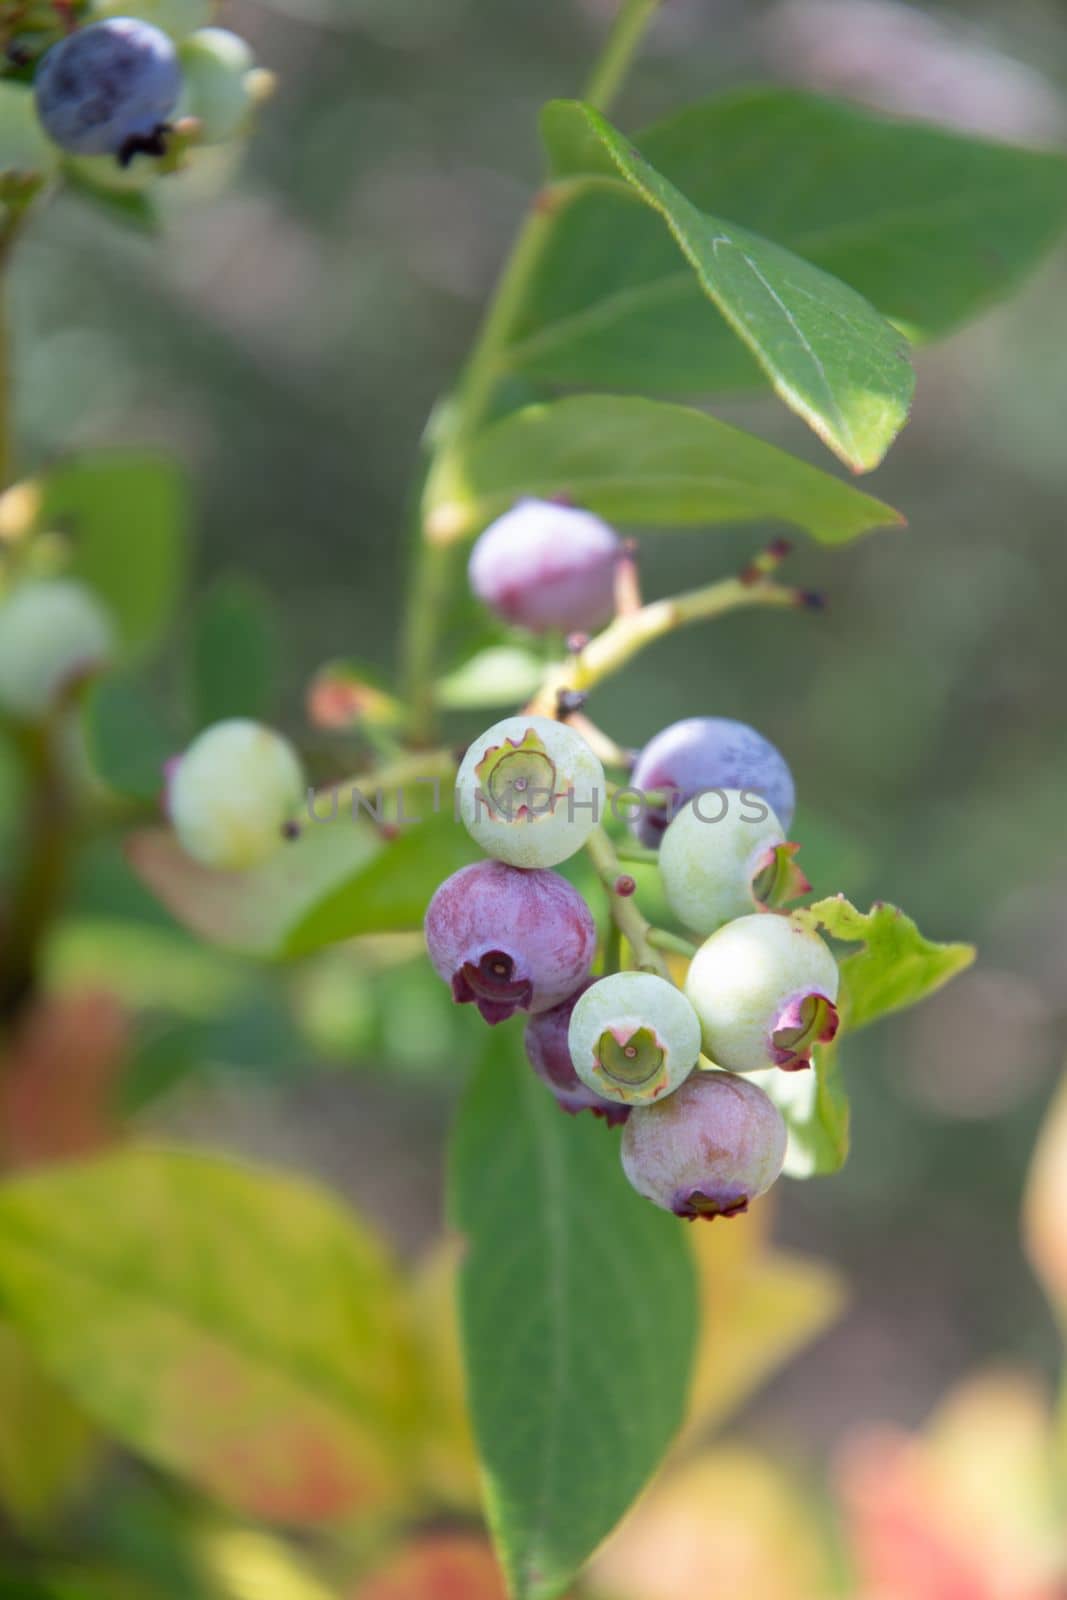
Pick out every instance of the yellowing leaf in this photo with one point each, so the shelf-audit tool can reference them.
(760, 1307)
(1045, 1206)
(47, 1447)
(233, 1325)
(730, 1526)
(449, 1462)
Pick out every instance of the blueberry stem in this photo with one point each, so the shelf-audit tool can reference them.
(624, 910)
(663, 939)
(628, 635)
(638, 853)
(610, 71)
(445, 513)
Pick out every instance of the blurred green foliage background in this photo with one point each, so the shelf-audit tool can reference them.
(286, 339)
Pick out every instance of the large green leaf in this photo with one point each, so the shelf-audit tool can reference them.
(579, 1318)
(828, 354)
(897, 967)
(233, 1325)
(125, 516)
(641, 461)
(929, 225)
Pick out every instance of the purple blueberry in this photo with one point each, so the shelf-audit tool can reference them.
(544, 566)
(708, 1149)
(550, 1057)
(109, 89)
(709, 753)
(509, 940)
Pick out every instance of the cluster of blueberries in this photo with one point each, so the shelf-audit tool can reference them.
(509, 934)
(119, 86)
(712, 802)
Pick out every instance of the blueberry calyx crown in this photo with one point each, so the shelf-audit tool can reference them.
(778, 878)
(519, 778)
(695, 1203)
(491, 985)
(630, 1058)
(805, 1021)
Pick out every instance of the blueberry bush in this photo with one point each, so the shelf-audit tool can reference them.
(652, 1004)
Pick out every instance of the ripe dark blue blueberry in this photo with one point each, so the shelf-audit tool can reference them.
(550, 1057)
(545, 566)
(709, 753)
(508, 940)
(109, 89)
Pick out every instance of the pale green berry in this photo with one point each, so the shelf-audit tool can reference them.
(218, 69)
(708, 1150)
(764, 989)
(530, 791)
(232, 793)
(725, 855)
(52, 632)
(633, 1037)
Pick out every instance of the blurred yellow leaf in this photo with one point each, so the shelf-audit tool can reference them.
(728, 1526)
(47, 1447)
(448, 1468)
(233, 1325)
(760, 1307)
(244, 1564)
(1045, 1205)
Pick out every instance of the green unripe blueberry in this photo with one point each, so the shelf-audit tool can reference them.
(725, 855)
(232, 793)
(52, 632)
(530, 791)
(764, 989)
(218, 69)
(708, 1150)
(633, 1037)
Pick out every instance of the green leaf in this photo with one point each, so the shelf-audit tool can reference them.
(897, 967)
(500, 675)
(252, 911)
(816, 1111)
(24, 149)
(232, 654)
(126, 518)
(340, 879)
(127, 741)
(389, 892)
(131, 207)
(638, 462)
(229, 1324)
(826, 351)
(931, 226)
(578, 1312)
